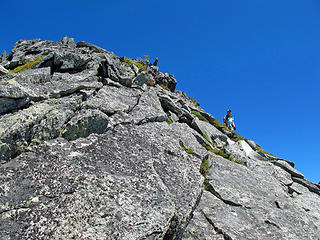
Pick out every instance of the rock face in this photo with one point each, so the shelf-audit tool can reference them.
(95, 146)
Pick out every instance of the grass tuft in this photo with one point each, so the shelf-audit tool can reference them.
(188, 150)
(199, 115)
(140, 64)
(204, 167)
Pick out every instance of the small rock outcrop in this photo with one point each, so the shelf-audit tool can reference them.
(96, 146)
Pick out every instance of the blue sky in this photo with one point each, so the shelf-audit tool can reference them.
(259, 58)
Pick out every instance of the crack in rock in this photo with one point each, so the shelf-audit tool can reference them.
(218, 230)
(271, 223)
(228, 202)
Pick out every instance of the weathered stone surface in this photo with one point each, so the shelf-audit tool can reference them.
(304, 182)
(121, 192)
(141, 79)
(3, 71)
(85, 123)
(148, 109)
(90, 46)
(3, 57)
(287, 167)
(68, 61)
(167, 80)
(258, 208)
(38, 122)
(92, 147)
(68, 42)
(9, 104)
(112, 99)
(252, 144)
(208, 130)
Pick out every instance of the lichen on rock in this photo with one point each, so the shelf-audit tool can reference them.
(96, 146)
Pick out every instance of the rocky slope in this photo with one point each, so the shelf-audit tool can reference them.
(95, 146)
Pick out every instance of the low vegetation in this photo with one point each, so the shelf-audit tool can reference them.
(27, 65)
(204, 167)
(199, 115)
(223, 154)
(188, 150)
(228, 156)
(140, 64)
(206, 138)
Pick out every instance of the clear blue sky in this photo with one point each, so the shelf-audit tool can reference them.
(259, 58)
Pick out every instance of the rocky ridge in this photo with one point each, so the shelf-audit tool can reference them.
(96, 146)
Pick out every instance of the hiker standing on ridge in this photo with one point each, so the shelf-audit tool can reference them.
(229, 121)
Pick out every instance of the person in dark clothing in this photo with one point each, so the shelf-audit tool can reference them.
(229, 121)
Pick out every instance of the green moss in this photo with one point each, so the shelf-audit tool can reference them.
(229, 157)
(140, 66)
(224, 154)
(29, 202)
(199, 115)
(188, 150)
(206, 138)
(4, 216)
(239, 162)
(207, 186)
(128, 61)
(208, 147)
(27, 65)
(221, 153)
(204, 167)
(169, 121)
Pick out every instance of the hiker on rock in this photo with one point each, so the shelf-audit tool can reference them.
(229, 121)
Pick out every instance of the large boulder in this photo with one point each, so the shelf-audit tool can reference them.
(118, 186)
(242, 204)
